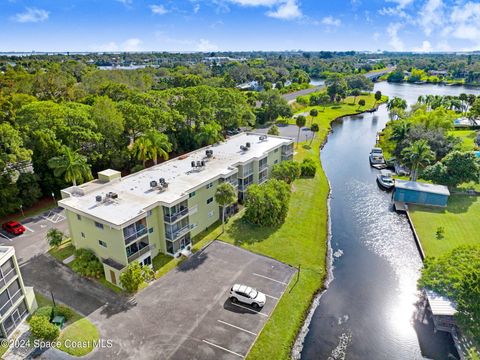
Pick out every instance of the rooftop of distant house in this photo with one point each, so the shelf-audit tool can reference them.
(121, 200)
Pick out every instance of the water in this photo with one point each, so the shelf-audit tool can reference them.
(369, 309)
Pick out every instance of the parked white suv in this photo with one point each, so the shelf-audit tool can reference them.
(247, 295)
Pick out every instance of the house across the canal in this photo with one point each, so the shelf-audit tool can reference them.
(413, 192)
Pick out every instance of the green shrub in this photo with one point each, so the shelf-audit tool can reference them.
(135, 275)
(64, 311)
(44, 311)
(137, 168)
(42, 329)
(308, 168)
(87, 264)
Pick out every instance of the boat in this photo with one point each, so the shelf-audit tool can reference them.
(385, 179)
(376, 157)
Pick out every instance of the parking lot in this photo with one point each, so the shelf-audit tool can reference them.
(32, 241)
(187, 314)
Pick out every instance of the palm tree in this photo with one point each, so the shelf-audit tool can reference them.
(141, 149)
(71, 165)
(417, 156)
(209, 134)
(160, 146)
(314, 128)
(300, 121)
(398, 103)
(224, 196)
(400, 131)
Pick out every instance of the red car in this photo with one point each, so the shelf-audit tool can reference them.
(14, 227)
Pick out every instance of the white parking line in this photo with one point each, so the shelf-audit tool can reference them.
(26, 227)
(266, 277)
(255, 311)
(222, 348)
(270, 296)
(237, 327)
(5, 237)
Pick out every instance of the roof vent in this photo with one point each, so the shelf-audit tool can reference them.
(193, 164)
(248, 145)
(209, 153)
(114, 195)
(153, 184)
(161, 181)
(98, 198)
(262, 138)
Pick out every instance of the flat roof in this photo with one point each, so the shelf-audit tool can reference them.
(135, 194)
(440, 305)
(6, 252)
(423, 187)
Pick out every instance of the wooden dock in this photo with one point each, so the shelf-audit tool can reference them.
(400, 206)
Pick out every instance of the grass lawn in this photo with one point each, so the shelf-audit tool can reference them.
(77, 329)
(468, 138)
(65, 250)
(459, 219)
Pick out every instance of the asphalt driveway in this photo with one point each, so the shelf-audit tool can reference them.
(187, 314)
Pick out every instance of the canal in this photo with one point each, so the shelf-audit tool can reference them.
(369, 308)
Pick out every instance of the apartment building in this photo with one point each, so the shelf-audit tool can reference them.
(16, 300)
(160, 209)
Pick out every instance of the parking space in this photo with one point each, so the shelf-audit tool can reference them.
(32, 241)
(229, 329)
(187, 314)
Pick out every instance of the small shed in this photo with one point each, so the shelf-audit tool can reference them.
(443, 311)
(414, 192)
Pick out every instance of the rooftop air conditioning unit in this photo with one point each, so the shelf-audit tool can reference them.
(199, 164)
(98, 198)
(165, 185)
(153, 184)
(209, 153)
(161, 180)
(248, 145)
(202, 163)
(114, 195)
(193, 164)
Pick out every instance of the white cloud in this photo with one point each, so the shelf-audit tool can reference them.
(401, 3)
(196, 8)
(426, 47)
(395, 41)
(286, 10)
(255, 2)
(331, 21)
(465, 22)
(132, 44)
(31, 15)
(205, 45)
(431, 16)
(127, 3)
(158, 9)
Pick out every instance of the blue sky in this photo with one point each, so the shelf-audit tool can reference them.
(211, 25)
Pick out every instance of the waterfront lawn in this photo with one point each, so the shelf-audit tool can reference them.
(336, 110)
(77, 329)
(459, 219)
(467, 137)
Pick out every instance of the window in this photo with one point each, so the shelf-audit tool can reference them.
(276, 150)
(99, 225)
(210, 214)
(83, 234)
(102, 243)
(79, 218)
(192, 194)
(209, 185)
(150, 230)
(275, 162)
(149, 213)
(209, 200)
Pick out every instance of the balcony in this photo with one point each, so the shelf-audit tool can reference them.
(175, 234)
(140, 250)
(247, 172)
(139, 232)
(287, 152)
(177, 216)
(262, 179)
(262, 167)
(243, 187)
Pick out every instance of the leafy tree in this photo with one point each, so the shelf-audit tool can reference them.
(300, 121)
(267, 204)
(336, 86)
(361, 103)
(355, 93)
(273, 130)
(134, 275)
(474, 112)
(417, 156)
(396, 103)
(308, 168)
(378, 97)
(457, 275)
(54, 237)
(9, 201)
(456, 168)
(287, 171)
(71, 165)
(359, 82)
(28, 189)
(41, 328)
(315, 129)
(273, 106)
(225, 196)
(109, 120)
(396, 76)
(209, 134)
(314, 113)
